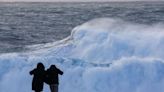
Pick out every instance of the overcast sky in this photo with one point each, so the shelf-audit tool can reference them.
(70, 0)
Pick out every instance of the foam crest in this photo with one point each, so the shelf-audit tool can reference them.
(106, 39)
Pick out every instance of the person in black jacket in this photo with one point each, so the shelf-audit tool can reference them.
(52, 77)
(39, 76)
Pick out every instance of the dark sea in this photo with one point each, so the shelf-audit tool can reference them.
(25, 24)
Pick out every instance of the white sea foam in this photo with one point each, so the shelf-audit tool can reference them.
(102, 55)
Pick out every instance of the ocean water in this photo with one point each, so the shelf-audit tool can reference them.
(24, 24)
(101, 47)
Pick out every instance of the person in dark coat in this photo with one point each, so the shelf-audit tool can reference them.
(39, 76)
(52, 77)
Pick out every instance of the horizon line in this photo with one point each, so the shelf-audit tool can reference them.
(75, 1)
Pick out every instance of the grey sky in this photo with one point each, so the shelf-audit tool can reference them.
(70, 0)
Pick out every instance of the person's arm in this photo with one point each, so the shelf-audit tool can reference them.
(60, 72)
(32, 72)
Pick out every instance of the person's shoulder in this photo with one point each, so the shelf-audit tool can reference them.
(48, 70)
(33, 71)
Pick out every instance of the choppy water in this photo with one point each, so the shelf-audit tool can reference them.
(23, 24)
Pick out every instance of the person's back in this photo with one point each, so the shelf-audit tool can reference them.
(38, 79)
(52, 76)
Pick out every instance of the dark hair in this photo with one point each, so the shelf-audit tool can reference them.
(40, 66)
(52, 67)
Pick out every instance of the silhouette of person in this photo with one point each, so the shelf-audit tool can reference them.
(38, 78)
(52, 77)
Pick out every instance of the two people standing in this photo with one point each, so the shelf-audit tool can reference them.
(49, 76)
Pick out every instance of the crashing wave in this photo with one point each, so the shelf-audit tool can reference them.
(102, 55)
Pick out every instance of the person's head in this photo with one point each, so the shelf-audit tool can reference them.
(52, 67)
(40, 66)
